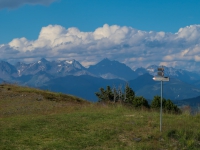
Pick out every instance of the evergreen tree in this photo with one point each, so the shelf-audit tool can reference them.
(155, 104)
(130, 94)
(109, 94)
(101, 95)
(105, 95)
(168, 105)
(139, 102)
(171, 107)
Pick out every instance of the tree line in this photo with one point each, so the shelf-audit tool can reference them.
(128, 97)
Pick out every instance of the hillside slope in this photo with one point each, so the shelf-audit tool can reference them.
(36, 119)
(16, 100)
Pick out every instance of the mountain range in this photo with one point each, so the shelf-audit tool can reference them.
(69, 76)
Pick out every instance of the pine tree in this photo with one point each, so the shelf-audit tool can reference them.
(155, 104)
(109, 94)
(105, 95)
(168, 105)
(101, 95)
(130, 94)
(140, 101)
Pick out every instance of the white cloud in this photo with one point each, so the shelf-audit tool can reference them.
(134, 47)
(189, 33)
(197, 58)
(17, 3)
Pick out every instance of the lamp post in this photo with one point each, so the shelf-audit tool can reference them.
(160, 77)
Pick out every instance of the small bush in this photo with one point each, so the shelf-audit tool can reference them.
(168, 105)
(139, 102)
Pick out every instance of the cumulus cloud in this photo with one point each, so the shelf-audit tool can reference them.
(134, 47)
(17, 3)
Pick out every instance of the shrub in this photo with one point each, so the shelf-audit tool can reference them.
(139, 102)
(168, 105)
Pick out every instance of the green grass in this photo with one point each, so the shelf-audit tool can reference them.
(29, 123)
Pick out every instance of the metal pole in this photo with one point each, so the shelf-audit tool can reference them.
(161, 108)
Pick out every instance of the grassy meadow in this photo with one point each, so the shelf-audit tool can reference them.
(32, 119)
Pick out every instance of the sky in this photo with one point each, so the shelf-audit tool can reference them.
(138, 33)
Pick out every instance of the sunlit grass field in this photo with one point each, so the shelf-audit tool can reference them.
(36, 119)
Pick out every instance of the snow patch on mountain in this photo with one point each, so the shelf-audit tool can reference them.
(69, 62)
(110, 76)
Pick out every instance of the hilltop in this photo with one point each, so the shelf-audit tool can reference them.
(37, 119)
(20, 100)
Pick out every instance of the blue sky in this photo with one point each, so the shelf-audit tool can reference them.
(130, 31)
